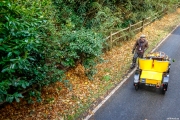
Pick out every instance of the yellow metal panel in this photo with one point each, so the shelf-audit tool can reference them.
(161, 66)
(151, 75)
(145, 64)
(149, 81)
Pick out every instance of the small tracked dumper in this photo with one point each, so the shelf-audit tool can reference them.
(153, 70)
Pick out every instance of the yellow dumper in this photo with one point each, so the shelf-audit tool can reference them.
(153, 70)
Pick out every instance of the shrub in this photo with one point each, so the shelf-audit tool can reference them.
(22, 61)
(82, 46)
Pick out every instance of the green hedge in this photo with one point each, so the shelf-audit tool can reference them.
(31, 49)
(22, 49)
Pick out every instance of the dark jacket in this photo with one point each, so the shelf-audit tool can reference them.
(140, 46)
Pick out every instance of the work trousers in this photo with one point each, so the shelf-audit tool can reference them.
(136, 55)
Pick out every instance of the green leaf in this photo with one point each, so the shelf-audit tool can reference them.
(9, 98)
(17, 96)
(12, 60)
(5, 70)
(1, 40)
(3, 91)
(2, 48)
(24, 84)
(17, 99)
(16, 52)
(1, 98)
(9, 54)
(12, 66)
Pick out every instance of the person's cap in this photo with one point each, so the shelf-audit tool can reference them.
(142, 36)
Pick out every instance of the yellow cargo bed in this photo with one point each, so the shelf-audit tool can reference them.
(151, 77)
(153, 70)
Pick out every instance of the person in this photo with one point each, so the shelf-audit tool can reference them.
(139, 48)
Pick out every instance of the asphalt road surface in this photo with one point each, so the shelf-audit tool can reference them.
(147, 103)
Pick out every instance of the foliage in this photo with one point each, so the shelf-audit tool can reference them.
(135, 11)
(106, 15)
(22, 61)
(83, 46)
(39, 39)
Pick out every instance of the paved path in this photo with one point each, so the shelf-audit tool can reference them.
(147, 103)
